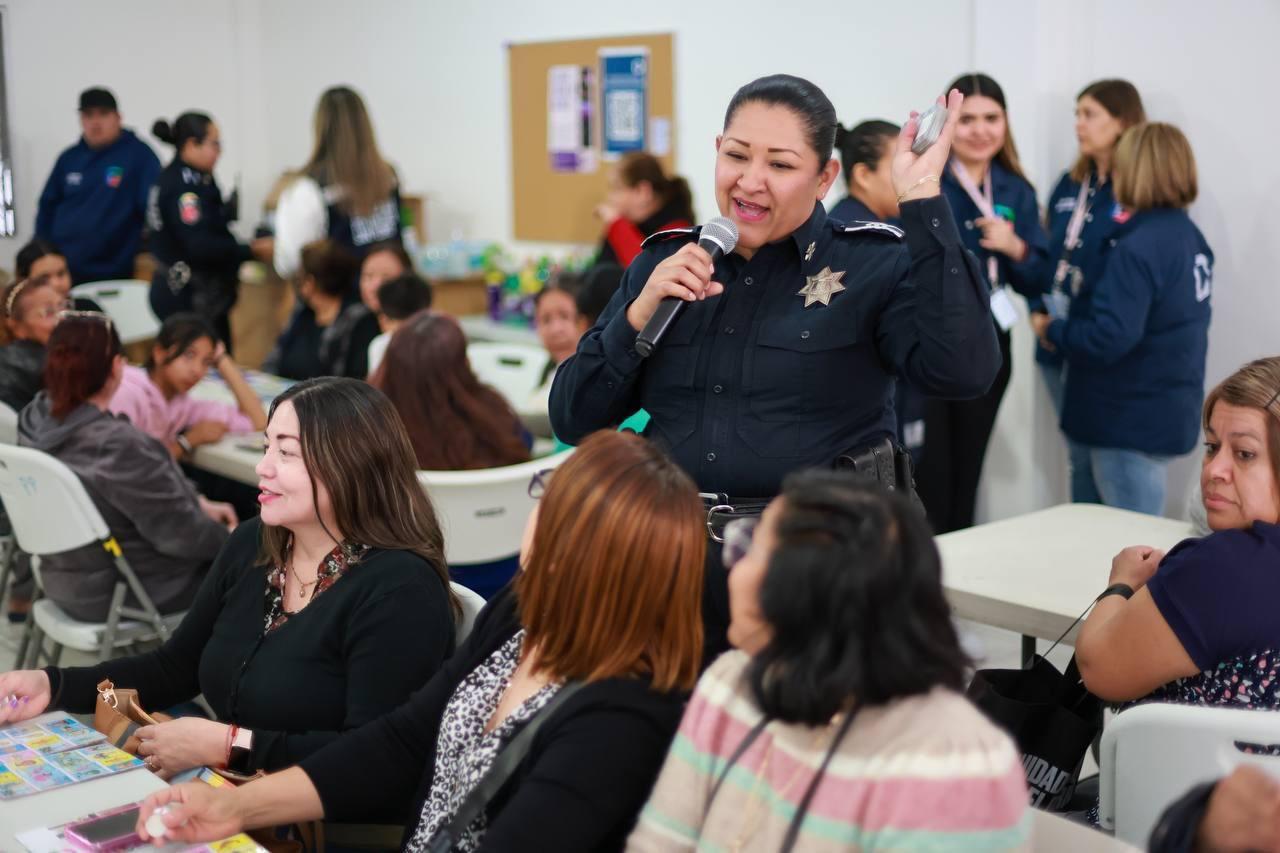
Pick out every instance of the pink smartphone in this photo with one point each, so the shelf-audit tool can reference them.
(110, 832)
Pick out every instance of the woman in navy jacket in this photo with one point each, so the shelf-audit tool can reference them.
(1083, 215)
(995, 206)
(1136, 344)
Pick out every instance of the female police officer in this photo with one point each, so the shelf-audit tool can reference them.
(786, 360)
(197, 258)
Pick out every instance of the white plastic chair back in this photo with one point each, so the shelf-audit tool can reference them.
(472, 603)
(128, 303)
(47, 504)
(1154, 753)
(483, 513)
(8, 425)
(514, 370)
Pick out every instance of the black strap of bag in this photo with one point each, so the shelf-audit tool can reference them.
(793, 828)
(505, 764)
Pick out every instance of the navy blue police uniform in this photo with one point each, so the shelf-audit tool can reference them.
(956, 433)
(793, 365)
(197, 257)
(908, 403)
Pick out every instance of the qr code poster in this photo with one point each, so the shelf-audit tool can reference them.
(624, 95)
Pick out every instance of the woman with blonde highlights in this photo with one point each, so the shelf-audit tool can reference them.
(1137, 349)
(608, 602)
(346, 191)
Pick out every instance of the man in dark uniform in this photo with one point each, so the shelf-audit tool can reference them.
(787, 359)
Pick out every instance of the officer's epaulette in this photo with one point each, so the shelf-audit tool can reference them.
(874, 227)
(669, 234)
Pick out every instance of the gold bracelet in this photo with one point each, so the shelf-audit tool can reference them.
(923, 180)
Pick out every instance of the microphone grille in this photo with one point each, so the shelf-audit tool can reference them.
(723, 231)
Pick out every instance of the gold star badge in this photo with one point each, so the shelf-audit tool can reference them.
(821, 287)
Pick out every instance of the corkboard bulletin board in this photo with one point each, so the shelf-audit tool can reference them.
(556, 206)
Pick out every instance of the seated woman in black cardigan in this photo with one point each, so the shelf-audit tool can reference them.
(610, 595)
(323, 614)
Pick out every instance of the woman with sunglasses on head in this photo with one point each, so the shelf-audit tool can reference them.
(325, 612)
(197, 257)
(613, 643)
(838, 722)
(30, 309)
(168, 533)
(785, 353)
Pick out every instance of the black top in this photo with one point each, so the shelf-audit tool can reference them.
(21, 373)
(356, 652)
(587, 775)
(755, 383)
(306, 349)
(187, 221)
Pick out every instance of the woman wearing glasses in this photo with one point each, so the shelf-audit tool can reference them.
(838, 722)
(30, 309)
(197, 257)
(622, 636)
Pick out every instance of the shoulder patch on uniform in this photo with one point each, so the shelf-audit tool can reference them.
(876, 227)
(669, 234)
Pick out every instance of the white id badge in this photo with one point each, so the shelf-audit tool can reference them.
(1057, 303)
(1003, 309)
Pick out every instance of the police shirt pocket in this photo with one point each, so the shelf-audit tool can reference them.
(797, 368)
(675, 360)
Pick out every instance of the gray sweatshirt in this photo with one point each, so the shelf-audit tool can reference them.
(150, 507)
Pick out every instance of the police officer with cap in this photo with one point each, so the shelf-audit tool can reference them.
(785, 354)
(197, 258)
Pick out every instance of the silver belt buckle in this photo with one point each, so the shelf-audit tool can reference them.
(711, 531)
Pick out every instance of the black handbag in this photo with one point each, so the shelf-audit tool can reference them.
(504, 764)
(1051, 717)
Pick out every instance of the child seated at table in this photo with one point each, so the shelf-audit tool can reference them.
(156, 398)
(398, 299)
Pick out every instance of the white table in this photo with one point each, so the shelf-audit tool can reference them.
(479, 327)
(1035, 573)
(1051, 833)
(61, 805)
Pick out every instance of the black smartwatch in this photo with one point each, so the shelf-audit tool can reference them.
(1117, 589)
(240, 755)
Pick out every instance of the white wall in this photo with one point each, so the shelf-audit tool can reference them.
(434, 76)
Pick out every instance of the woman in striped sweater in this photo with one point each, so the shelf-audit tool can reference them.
(837, 723)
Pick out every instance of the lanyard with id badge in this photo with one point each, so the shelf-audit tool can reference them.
(1058, 300)
(1002, 307)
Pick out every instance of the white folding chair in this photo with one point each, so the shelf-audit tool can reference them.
(127, 303)
(483, 513)
(36, 489)
(472, 603)
(514, 370)
(1154, 753)
(8, 425)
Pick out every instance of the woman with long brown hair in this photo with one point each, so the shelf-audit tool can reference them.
(999, 220)
(322, 614)
(606, 609)
(346, 191)
(455, 422)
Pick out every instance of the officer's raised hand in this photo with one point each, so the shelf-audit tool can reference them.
(685, 275)
(916, 176)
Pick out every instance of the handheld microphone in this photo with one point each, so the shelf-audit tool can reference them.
(718, 238)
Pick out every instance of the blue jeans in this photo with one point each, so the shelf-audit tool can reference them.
(1126, 479)
(1055, 380)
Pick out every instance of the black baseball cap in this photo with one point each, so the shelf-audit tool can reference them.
(97, 98)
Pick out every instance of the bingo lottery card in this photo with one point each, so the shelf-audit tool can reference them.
(39, 756)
